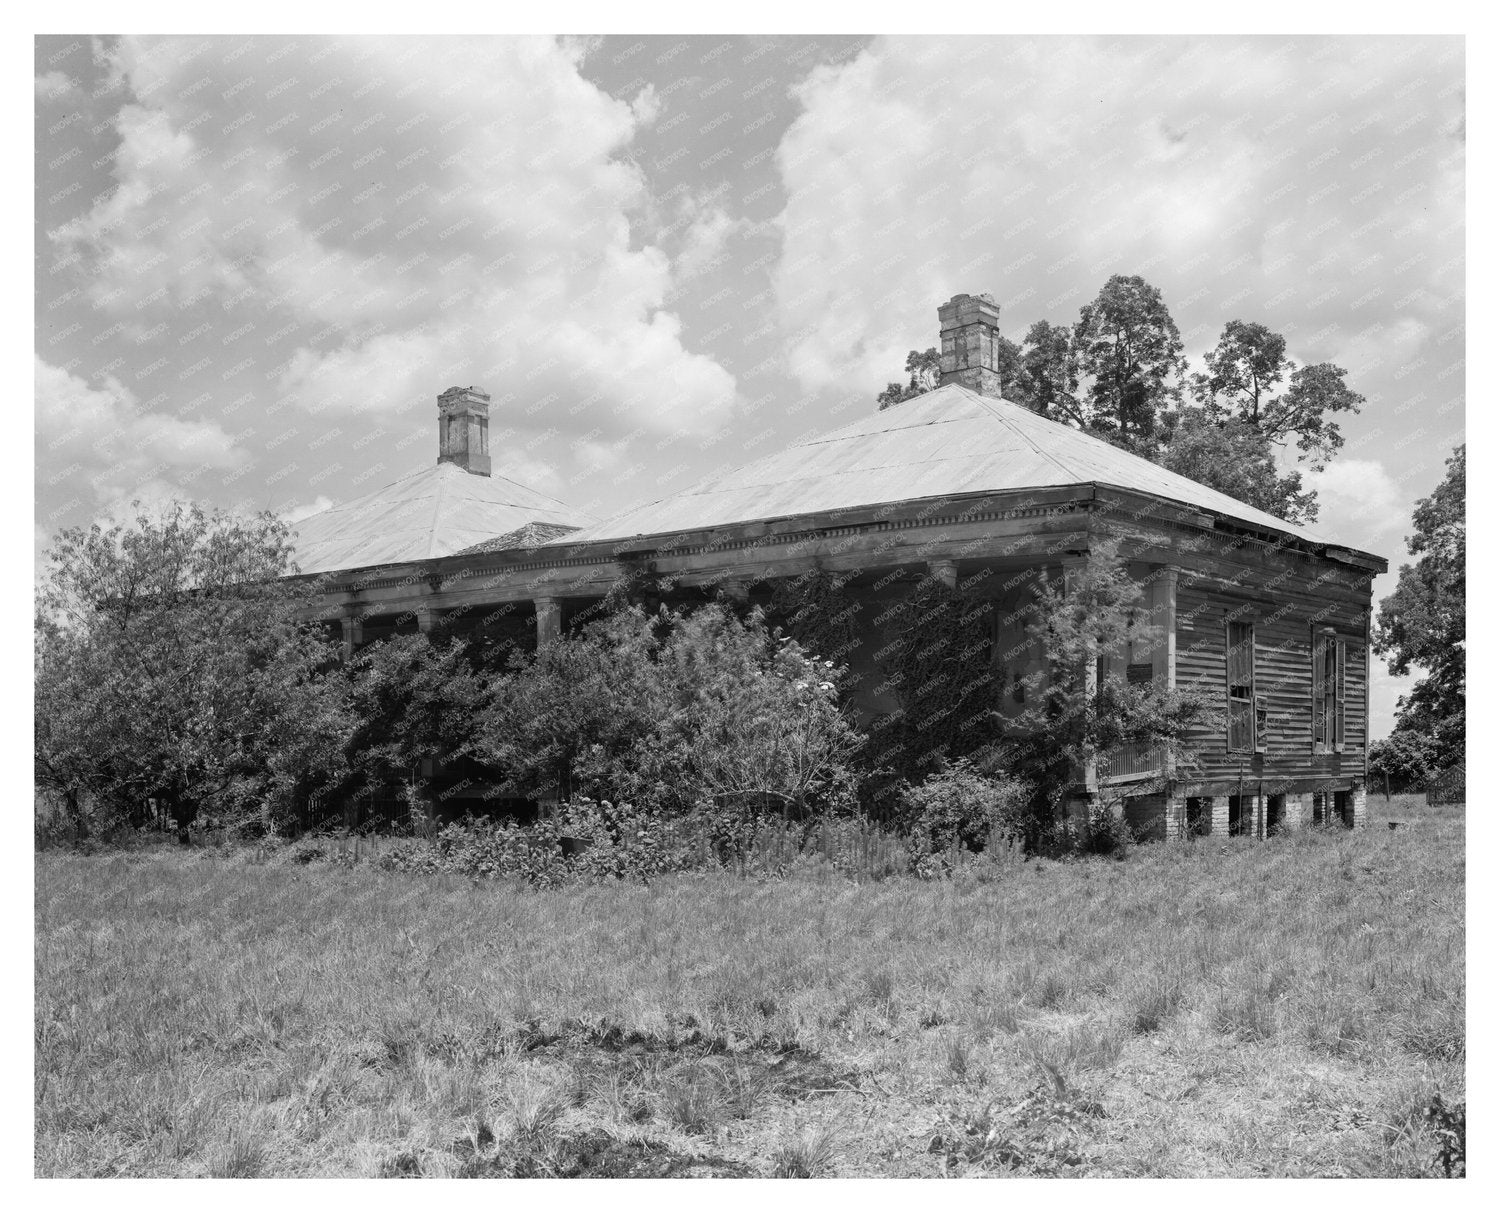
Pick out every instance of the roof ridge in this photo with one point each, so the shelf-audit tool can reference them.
(1015, 428)
(436, 528)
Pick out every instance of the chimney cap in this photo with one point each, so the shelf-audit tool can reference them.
(964, 309)
(478, 392)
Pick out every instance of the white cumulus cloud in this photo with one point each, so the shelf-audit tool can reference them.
(101, 444)
(473, 225)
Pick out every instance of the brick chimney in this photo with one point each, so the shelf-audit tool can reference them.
(464, 429)
(970, 330)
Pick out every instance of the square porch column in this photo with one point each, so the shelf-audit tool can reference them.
(548, 620)
(1163, 599)
(351, 631)
(1073, 567)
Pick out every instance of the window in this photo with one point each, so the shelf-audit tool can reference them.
(1240, 678)
(1328, 677)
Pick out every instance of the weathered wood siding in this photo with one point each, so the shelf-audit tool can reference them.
(1285, 618)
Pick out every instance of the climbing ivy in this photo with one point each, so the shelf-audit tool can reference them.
(938, 664)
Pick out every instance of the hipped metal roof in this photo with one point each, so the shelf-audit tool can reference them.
(437, 511)
(946, 442)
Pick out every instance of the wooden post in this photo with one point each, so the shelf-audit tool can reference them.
(1164, 651)
(548, 620)
(1073, 567)
(351, 630)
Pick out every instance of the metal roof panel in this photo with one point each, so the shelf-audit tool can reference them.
(947, 441)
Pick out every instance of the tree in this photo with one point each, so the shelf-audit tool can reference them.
(1048, 379)
(1316, 393)
(1243, 369)
(174, 662)
(923, 370)
(1403, 761)
(1422, 622)
(1077, 716)
(1128, 345)
(1240, 380)
(1235, 458)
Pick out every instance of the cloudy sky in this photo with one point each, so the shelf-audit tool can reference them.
(260, 259)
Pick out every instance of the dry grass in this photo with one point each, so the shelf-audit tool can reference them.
(1217, 1007)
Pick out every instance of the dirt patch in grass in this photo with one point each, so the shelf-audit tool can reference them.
(594, 1154)
(768, 1066)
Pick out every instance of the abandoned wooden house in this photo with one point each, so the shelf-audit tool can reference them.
(956, 485)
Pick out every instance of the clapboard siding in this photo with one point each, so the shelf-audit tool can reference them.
(1284, 622)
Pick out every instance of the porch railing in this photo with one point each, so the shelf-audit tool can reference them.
(1136, 761)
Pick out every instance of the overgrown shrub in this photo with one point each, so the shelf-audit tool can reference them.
(959, 809)
(596, 840)
(671, 712)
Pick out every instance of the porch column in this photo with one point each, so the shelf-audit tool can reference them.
(735, 591)
(1073, 567)
(1164, 643)
(426, 617)
(1164, 626)
(351, 630)
(548, 620)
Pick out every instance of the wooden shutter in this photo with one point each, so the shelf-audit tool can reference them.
(1319, 732)
(1338, 691)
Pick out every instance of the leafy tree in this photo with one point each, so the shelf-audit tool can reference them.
(174, 662)
(1403, 760)
(1422, 622)
(1316, 393)
(1128, 345)
(1240, 382)
(1009, 362)
(1076, 716)
(1235, 458)
(922, 369)
(1243, 369)
(1048, 380)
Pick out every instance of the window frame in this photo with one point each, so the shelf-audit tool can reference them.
(1247, 698)
(1330, 690)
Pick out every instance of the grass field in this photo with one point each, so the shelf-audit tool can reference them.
(1216, 1007)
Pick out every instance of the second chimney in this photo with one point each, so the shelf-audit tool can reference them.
(970, 329)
